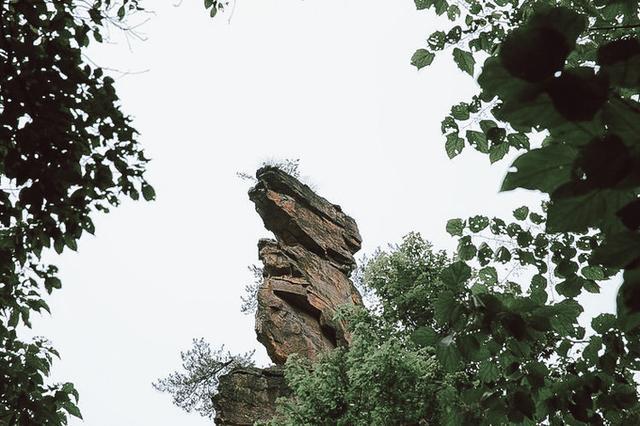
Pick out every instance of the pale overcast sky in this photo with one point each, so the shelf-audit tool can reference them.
(328, 82)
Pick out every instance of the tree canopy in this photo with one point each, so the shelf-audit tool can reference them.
(66, 151)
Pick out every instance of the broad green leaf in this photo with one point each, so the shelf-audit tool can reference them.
(503, 255)
(478, 140)
(488, 275)
(579, 213)
(422, 58)
(603, 323)
(454, 145)
(448, 355)
(456, 275)
(518, 140)
(443, 307)
(571, 287)
(466, 249)
(455, 227)
(521, 213)
(618, 250)
(460, 111)
(464, 60)
(544, 169)
(423, 4)
(497, 152)
(488, 371)
(425, 336)
(478, 223)
(148, 192)
(593, 273)
(72, 409)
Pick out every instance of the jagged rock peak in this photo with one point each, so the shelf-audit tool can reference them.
(306, 269)
(297, 215)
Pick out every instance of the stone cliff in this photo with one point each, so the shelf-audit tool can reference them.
(306, 278)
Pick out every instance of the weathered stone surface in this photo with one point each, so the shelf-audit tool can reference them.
(247, 395)
(306, 278)
(306, 268)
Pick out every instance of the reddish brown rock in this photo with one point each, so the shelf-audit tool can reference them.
(306, 268)
(306, 278)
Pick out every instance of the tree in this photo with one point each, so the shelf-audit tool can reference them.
(194, 388)
(384, 377)
(66, 151)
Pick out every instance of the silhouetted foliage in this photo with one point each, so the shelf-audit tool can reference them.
(569, 70)
(66, 151)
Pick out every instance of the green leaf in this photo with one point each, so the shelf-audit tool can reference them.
(503, 255)
(148, 192)
(72, 409)
(444, 306)
(448, 354)
(466, 249)
(456, 275)
(544, 169)
(603, 323)
(478, 140)
(454, 145)
(488, 371)
(488, 275)
(453, 12)
(618, 250)
(464, 60)
(523, 402)
(570, 287)
(422, 58)
(423, 4)
(518, 140)
(441, 6)
(425, 336)
(497, 152)
(593, 273)
(577, 214)
(460, 111)
(478, 223)
(455, 227)
(521, 213)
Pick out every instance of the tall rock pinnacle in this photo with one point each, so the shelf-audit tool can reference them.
(305, 269)
(306, 278)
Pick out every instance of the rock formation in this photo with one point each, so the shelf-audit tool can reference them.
(306, 278)
(248, 394)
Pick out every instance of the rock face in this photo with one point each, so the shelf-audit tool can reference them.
(306, 278)
(247, 395)
(306, 268)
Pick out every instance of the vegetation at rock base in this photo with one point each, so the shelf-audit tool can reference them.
(192, 390)
(66, 152)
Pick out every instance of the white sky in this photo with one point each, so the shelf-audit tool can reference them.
(327, 82)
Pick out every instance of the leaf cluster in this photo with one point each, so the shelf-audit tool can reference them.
(66, 151)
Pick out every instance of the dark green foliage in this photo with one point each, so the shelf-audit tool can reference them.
(66, 151)
(568, 69)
